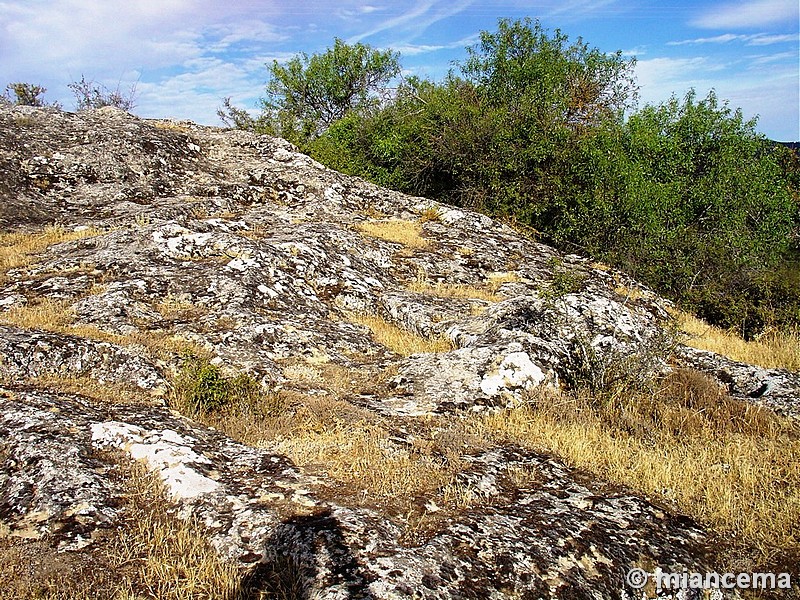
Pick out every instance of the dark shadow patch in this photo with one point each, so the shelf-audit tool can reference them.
(303, 554)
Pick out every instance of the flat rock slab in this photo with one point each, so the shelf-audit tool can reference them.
(559, 535)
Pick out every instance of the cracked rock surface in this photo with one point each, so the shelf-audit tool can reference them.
(239, 245)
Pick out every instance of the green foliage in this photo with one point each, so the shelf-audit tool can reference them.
(307, 95)
(545, 83)
(687, 197)
(26, 94)
(200, 388)
(684, 195)
(565, 281)
(89, 95)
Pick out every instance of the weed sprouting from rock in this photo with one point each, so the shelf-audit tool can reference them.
(201, 388)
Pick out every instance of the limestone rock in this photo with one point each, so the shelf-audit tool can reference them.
(238, 246)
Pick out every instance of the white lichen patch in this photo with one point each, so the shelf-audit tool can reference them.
(515, 371)
(165, 452)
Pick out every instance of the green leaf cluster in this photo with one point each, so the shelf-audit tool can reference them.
(306, 95)
(684, 195)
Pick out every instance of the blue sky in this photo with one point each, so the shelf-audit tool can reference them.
(185, 55)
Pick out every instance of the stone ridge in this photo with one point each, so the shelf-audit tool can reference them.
(256, 254)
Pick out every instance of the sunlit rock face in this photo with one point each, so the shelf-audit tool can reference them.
(260, 256)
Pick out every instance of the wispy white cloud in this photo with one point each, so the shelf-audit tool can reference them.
(766, 59)
(758, 39)
(766, 40)
(749, 14)
(637, 51)
(718, 39)
(416, 49)
(417, 19)
(578, 8)
(753, 89)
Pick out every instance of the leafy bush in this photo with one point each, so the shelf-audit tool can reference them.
(89, 94)
(307, 95)
(684, 195)
(200, 388)
(687, 197)
(26, 94)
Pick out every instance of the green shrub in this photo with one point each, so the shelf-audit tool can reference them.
(685, 195)
(200, 388)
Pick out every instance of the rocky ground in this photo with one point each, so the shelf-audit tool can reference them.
(176, 238)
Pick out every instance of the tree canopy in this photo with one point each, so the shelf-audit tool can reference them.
(545, 133)
(306, 95)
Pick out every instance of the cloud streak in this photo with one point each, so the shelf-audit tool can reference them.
(758, 39)
(416, 20)
(746, 15)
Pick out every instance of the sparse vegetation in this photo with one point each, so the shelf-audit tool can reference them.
(90, 95)
(774, 348)
(19, 248)
(399, 340)
(26, 94)
(399, 231)
(454, 290)
(153, 554)
(201, 388)
(729, 464)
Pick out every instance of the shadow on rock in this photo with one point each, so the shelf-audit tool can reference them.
(306, 554)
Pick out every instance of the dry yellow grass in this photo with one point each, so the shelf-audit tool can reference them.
(173, 558)
(57, 316)
(350, 446)
(430, 213)
(776, 349)
(399, 231)
(48, 314)
(102, 393)
(732, 466)
(399, 340)
(495, 281)
(359, 454)
(487, 291)
(17, 249)
(153, 554)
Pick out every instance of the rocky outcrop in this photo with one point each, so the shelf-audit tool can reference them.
(237, 245)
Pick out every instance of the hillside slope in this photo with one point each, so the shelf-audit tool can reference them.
(375, 327)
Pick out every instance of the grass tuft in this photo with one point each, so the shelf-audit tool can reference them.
(774, 349)
(17, 249)
(729, 464)
(399, 231)
(400, 341)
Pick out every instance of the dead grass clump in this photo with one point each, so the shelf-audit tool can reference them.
(105, 393)
(58, 317)
(430, 213)
(151, 554)
(179, 308)
(163, 556)
(775, 349)
(399, 231)
(47, 314)
(730, 465)
(17, 249)
(360, 454)
(400, 341)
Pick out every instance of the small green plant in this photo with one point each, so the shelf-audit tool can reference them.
(26, 94)
(89, 94)
(614, 372)
(201, 388)
(565, 281)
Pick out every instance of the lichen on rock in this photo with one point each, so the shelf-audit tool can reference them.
(238, 247)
